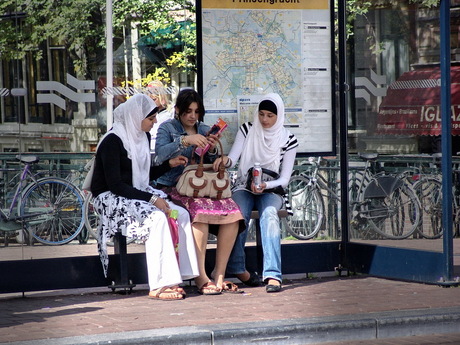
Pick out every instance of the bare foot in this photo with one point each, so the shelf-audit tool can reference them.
(165, 294)
(243, 276)
(273, 282)
(178, 289)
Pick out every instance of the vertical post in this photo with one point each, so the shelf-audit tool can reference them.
(446, 140)
(343, 89)
(109, 63)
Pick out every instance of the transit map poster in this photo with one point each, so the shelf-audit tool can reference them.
(249, 48)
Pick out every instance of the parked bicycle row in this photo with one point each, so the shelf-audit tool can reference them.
(383, 204)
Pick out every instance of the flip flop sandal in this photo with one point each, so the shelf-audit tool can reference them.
(229, 287)
(179, 290)
(209, 289)
(156, 294)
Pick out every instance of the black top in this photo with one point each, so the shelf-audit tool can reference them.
(113, 170)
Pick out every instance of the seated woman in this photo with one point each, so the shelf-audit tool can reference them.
(181, 136)
(266, 141)
(126, 202)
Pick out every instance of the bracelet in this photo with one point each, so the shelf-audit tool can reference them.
(213, 152)
(183, 142)
(153, 199)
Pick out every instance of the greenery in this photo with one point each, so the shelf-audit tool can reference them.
(79, 27)
(357, 8)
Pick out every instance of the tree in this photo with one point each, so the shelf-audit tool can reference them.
(79, 26)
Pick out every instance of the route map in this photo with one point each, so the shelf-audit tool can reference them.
(247, 53)
(252, 52)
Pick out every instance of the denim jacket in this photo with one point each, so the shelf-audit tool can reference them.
(168, 145)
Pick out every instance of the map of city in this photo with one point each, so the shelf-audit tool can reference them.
(251, 52)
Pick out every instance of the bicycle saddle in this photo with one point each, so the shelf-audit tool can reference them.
(27, 159)
(368, 155)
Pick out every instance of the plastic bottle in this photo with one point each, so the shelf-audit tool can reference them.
(257, 175)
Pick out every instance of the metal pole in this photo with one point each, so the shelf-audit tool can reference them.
(343, 89)
(446, 140)
(109, 63)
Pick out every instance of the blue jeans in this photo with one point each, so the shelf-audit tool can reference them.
(268, 205)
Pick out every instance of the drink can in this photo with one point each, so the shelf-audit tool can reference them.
(257, 175)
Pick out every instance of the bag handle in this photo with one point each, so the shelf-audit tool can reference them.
(221, 171)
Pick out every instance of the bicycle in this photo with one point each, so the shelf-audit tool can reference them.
(305, 193)
(47, 209)
(429, 191)
(380, 203)
(387, 204)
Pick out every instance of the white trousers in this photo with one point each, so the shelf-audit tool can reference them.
(162, 265)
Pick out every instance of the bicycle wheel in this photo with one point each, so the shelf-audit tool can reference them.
(52, 211)
(308, 208)
(359, 228)
(391, 207)
(429, 192)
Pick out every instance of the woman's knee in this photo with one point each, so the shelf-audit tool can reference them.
(269, 221)
(157, 218)
(271, 213)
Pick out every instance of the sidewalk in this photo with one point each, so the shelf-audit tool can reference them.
(307, 311)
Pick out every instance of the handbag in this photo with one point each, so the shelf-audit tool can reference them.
(278, 189)
(201, 181)
(89, 166)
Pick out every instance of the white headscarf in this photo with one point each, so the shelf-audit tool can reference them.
(127, 119)
(264, 145)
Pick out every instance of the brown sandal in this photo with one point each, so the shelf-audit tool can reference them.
(229, 287)
(168, 294)
(209, 289)
(178, 289)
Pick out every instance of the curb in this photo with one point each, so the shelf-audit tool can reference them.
(366, 326)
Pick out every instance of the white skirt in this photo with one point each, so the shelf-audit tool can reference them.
(143, 221)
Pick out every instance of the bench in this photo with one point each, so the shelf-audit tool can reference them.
(259, 251)
(121, 280)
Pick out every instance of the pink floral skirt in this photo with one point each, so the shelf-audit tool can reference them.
(209, 211)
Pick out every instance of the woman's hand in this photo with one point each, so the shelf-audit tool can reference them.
(217, 162)
(179, 160)
(163, 205)
(261, 189)
(197, 140)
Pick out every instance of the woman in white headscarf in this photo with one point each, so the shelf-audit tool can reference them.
(127, 203)
(267, 142)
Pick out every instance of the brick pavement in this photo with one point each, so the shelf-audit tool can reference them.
(88, 312)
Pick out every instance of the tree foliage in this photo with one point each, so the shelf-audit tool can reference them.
(79, 26)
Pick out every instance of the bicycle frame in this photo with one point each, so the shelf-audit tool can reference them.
(49, 209)
(21, 186)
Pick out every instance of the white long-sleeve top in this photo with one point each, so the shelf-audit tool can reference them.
(287, 158)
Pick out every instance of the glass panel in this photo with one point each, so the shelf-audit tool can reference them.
(395, 114)
(314, 192)
(53, 103)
